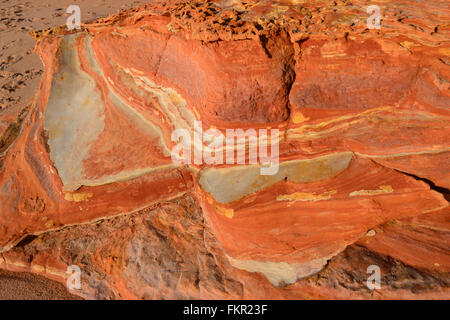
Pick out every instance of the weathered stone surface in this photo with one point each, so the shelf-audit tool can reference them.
(363, 117)
(168, 251)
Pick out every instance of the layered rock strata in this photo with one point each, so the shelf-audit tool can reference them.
(87, 175)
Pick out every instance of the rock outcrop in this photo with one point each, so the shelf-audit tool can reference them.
(87, 175)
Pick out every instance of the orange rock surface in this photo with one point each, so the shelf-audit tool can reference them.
(87, 178)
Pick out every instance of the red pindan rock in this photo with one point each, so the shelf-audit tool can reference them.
(87, 175)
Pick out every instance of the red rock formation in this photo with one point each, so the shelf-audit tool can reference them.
(362, 117)
(168, 251)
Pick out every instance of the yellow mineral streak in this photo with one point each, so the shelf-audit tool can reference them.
(137, 71)
(381, 190)
(407, 44)
(317, 129)
(334, 121)
(49, 224)
(16, 263)
(19, 264)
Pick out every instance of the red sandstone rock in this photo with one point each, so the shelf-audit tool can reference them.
(363, 116)
(168, 251)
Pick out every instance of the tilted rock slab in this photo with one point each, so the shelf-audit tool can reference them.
(363, 119)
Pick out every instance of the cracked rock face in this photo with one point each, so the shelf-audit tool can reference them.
(87, 179)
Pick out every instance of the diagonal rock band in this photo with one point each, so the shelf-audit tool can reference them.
(356, 121)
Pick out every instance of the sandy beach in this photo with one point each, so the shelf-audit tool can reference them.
(134, 151)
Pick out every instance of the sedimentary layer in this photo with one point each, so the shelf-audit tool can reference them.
(362, 119)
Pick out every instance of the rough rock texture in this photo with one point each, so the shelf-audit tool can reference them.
(168, 251)
(86, 175)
